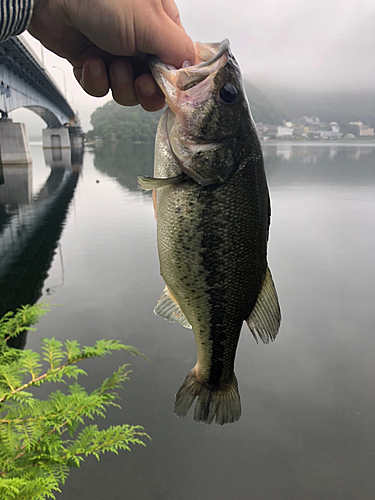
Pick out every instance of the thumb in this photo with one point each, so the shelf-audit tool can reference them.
(171, 44)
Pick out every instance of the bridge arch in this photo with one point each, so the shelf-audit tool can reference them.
(47, 115)
(24, 83)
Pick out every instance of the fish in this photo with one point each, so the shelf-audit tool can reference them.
(213, 216)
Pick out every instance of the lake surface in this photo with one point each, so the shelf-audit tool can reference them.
(308, 408)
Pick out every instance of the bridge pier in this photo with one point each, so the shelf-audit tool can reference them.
(14, 144)
(76, 138)
(56, 138)
(63, 146)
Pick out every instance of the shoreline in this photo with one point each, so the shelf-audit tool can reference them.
(318, 143)
(279, 142)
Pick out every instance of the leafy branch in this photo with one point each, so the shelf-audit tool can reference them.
(34, 457)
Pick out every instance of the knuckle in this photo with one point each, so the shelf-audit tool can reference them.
(125, 99)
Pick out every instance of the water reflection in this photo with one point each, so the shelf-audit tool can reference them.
(308, 152)
(307, 429)
(307, 425)
(31, 227)
(125, 161)
(288, 163)
(15, 184)
(329, 165)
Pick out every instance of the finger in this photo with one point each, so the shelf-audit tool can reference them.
(172, 11)
(169, 42)
(93, 77)
(148, 93)
(122, 82)
(77, 73)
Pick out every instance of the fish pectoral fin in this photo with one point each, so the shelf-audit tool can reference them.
(168, 308)
(265, 317)
(149, 183)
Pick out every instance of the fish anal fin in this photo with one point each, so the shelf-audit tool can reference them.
(265, 318)
(169, 309)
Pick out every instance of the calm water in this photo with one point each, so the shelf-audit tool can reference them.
(307, 427)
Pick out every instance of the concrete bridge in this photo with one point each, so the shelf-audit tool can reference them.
(25, 83)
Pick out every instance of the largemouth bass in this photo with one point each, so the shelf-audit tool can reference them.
(213, 216)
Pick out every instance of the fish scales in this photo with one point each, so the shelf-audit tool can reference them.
(212, 262)
(212, 227)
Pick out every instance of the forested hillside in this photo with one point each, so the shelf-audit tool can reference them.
(263, 109)
(121, 123)
(340, 106)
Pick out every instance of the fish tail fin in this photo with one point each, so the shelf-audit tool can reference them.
(221, 405)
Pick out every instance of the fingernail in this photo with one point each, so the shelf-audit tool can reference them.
(95, 69)
(121, 72)
(147, 88)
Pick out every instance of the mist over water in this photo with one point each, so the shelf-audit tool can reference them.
(306, 429)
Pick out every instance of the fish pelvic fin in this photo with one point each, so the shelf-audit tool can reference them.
(149, 183)
(169, 309)
(221, 405)
(265, 318)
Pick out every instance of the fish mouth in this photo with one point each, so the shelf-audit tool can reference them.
(185, 89)
(175, 83)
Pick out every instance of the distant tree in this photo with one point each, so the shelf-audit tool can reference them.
(346, 128)
(122, 123)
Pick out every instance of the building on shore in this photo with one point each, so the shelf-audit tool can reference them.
(310, 127)
(366, 131)
(331, 131)
(284, 131)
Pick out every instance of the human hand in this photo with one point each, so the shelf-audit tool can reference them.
(106, 41)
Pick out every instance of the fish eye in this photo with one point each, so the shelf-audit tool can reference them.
(228, 93)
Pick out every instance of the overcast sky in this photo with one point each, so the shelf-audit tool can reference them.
(315, 44)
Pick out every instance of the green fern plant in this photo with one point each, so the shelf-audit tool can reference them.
(40, 440)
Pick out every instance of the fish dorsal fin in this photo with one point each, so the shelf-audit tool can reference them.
(168, 308)
(265, 317)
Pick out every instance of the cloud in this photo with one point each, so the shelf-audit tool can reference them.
(292, 42)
